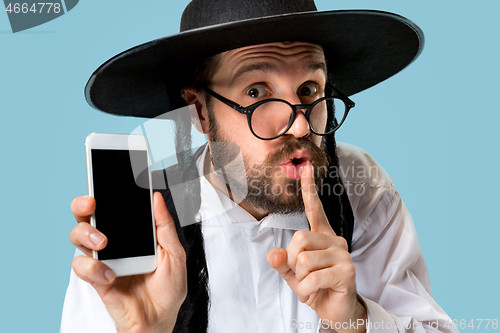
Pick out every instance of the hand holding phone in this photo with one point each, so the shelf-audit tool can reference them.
(142, 303)
(119, 179)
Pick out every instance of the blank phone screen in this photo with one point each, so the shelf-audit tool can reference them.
(123, 208)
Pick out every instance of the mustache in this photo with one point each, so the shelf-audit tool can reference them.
(319, 155)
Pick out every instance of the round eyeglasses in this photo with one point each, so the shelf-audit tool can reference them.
(271, 118)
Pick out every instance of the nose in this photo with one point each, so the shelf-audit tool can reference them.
(300, 127)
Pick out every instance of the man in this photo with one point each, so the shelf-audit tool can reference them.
(276, 261)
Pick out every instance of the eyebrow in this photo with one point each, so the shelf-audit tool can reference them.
(269, 68)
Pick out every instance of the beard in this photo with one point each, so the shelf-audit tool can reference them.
(263, 185)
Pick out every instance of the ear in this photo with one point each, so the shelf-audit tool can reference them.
(197, 108)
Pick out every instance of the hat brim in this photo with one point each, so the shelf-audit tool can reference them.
(362, 48)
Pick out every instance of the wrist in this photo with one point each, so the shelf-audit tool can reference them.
(355, 324)
(165, 326)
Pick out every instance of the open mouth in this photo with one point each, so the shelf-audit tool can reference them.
(292, 166)
(297, 161)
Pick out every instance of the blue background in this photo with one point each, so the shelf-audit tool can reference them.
(433, 127)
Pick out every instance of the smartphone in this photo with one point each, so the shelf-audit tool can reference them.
(119, 178)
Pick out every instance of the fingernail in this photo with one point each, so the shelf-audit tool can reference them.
(82, 201)
(109, 275)
(301, 169)
(96, 238)
(273, 256)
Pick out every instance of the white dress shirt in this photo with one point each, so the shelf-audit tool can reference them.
(248, 295)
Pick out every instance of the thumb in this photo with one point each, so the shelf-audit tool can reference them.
(165, 227)
(277, 259)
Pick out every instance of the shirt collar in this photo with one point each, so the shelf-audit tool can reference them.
(217, 208)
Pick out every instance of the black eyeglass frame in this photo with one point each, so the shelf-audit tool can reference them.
(249, 110)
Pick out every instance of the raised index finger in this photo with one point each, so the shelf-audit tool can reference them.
(312, 204)
(82, 208)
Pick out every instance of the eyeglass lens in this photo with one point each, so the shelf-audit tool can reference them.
(272, 118)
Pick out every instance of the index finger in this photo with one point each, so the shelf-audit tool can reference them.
(312, 204)
(82, 208)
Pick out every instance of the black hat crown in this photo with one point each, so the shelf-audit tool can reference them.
(203, 13)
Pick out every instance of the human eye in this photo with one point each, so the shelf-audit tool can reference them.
(308, 89)
(257, 91)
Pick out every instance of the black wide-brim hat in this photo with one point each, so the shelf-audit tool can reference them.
(362, 48)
